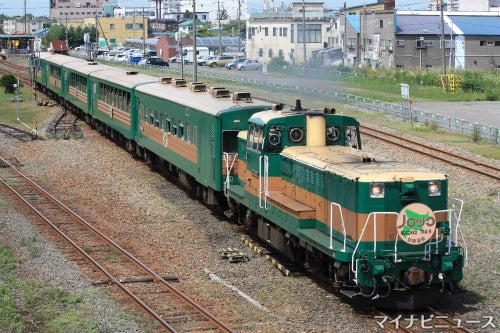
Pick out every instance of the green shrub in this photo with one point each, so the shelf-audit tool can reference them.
(8, 81)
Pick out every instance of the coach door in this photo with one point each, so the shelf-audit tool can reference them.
(229, 157)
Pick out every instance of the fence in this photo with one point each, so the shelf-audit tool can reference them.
(485, 132)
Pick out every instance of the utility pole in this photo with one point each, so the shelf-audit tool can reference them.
(25, 18)
(239, 28)
(195, 56)
(443, 44)
(304, 31)
(218, 17)
(143, 33)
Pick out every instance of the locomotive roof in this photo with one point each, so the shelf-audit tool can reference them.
(348, 162)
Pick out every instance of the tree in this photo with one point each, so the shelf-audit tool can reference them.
(56, 32)
(8, 81)
(231, 29)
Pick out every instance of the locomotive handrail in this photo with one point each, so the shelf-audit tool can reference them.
(263, 183)
(229, 168)
(368, 219)
(455, 231)
(331, 225)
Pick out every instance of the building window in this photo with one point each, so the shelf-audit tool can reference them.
(261, 52)
(312, 33)
(112, 26)
(270, 53)
(381, 24)
(275, 32)
(266, 31)
(285, 32)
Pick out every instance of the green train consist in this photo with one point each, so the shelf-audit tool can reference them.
(379, 229)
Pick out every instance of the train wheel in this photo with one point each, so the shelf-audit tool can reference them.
(454, 287)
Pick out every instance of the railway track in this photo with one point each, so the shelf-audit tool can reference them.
(8, 67)
(439, 154)
(169, 306)
(18, 134)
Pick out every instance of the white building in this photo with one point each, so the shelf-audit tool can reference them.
(466, 5)
(232, 7)
(19, 26)
(281, 34)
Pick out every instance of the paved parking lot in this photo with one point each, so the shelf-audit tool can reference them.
(484, 113)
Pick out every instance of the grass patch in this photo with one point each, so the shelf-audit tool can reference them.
(26, 306)
(29, 111)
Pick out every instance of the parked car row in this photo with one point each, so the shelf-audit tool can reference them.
(132, 55)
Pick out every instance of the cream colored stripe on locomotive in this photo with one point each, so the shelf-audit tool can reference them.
(306, 205)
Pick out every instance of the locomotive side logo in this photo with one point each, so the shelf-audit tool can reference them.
(416, 224)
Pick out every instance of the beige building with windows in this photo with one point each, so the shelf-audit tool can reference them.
(115, 30)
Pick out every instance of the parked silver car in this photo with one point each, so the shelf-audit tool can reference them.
(249, 64)
(233, 64)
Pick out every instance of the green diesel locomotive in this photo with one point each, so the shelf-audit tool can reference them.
(379, 229)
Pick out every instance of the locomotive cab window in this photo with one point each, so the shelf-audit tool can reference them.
(230, 142)
(351, 137)
(255, 137)
(273, 141)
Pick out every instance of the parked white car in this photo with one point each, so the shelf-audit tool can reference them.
(249, 64)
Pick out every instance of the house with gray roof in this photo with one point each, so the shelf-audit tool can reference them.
(471, 40)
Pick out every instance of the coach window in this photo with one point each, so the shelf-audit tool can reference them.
(162, 121)
(188, 133)
(157, 119)
(181, 130)
(174, 127)
(128, 102)
(195, 135)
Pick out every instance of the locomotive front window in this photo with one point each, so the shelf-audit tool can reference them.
(255, 137)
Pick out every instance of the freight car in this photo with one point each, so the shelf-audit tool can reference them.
(380, 229)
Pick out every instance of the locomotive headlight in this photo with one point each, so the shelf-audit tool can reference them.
(434, 188)
(377, 190)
